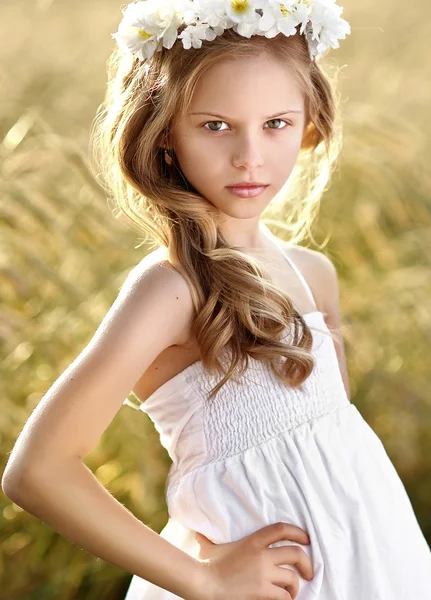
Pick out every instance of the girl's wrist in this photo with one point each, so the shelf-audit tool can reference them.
(202, 583)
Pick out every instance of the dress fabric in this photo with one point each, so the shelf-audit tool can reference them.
(261, 452)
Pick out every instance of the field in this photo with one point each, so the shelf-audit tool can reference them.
(64, 257)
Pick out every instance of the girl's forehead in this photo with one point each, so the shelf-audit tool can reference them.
(259, 94)
(225, 76)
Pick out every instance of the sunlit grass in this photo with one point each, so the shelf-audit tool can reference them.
(64, 257)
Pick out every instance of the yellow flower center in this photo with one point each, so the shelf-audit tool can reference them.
(144, 34)
(239, 5)
(284, 10)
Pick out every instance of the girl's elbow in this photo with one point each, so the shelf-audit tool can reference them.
(19, 482)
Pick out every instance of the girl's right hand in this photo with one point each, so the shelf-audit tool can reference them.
(248, 570)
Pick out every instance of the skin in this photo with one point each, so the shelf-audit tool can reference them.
(215, 152)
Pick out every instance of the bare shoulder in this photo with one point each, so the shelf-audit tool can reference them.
(311, 259)
(155, 274)
(320, 274)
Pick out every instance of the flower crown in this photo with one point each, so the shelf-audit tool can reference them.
(149, 25)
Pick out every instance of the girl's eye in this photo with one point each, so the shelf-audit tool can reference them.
(211, 122)
(271, 121)
(280, 121)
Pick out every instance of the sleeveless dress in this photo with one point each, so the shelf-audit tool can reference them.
(262, 452)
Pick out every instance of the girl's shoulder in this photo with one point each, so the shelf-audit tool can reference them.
(311, 260)
(174, 282)
(318, 269)
(155, 259)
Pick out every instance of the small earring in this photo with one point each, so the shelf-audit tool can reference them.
(168, 157)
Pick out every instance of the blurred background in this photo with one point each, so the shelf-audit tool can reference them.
(64, 257)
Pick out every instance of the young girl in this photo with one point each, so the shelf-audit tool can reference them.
(229, 336)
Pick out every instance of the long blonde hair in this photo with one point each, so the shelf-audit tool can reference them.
(236, 304)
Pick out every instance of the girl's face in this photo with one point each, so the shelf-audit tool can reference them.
(249, 129)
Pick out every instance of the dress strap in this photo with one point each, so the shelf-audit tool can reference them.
(300, 275)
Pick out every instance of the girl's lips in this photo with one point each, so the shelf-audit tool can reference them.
(247, 191)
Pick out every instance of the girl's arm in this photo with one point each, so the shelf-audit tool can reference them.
(330, 299)
(71, 500)
(46, 474)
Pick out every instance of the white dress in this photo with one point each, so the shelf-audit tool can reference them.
(262, 452)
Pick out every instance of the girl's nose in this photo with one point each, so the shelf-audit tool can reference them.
(248, 154)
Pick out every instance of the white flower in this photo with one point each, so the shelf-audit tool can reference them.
(193, 35)
(327, 25)
(212, 12)
(149, 25)
(279, 17)
(243, 14)
(303, 10)
(147, 22)
(242, 11)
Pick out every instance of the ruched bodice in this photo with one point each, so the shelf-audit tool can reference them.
(196, 431)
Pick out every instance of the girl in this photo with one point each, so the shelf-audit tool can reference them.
(229, 336)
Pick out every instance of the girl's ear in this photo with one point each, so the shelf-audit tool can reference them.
(309, 137)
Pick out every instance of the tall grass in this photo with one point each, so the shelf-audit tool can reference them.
(64, 257)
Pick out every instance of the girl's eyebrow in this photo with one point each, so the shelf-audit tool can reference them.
(278, 114)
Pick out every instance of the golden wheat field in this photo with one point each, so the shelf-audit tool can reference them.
(64, 257)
